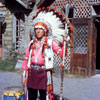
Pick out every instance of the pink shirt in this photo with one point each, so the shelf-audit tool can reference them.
(40, 58)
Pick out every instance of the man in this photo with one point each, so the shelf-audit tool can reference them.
(38, 62)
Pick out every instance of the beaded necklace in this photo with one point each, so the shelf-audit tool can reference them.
(42, 46)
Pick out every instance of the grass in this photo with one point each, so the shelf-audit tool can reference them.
(7, 65)
(67, 74)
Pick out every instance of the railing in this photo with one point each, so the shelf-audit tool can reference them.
(94, 1)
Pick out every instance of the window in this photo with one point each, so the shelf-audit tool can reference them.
(81, 38)
(17, 31)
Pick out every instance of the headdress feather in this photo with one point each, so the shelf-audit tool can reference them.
(55, 25)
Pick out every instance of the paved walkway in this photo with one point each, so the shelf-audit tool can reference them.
(8, 79)
(74, 89)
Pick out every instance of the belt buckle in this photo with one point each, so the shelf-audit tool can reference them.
(37, 68)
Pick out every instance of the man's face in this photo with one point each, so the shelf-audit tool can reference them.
(39, 33)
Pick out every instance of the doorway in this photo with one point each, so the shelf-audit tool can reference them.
(97, 23)
(0, 41)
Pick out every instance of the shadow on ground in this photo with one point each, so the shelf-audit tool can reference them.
(57, 97)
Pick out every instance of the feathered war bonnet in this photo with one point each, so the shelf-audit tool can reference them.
(51, 22)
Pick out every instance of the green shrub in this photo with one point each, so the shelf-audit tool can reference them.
(12, 52)
(10, 62)
(7, 65)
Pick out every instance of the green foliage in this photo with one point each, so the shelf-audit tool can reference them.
(12, 52)
(7, 65)
(53, 71)
(10, 62)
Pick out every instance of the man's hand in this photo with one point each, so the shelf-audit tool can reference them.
(24, 80)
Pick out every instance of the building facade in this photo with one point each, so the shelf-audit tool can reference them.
(84, 15)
